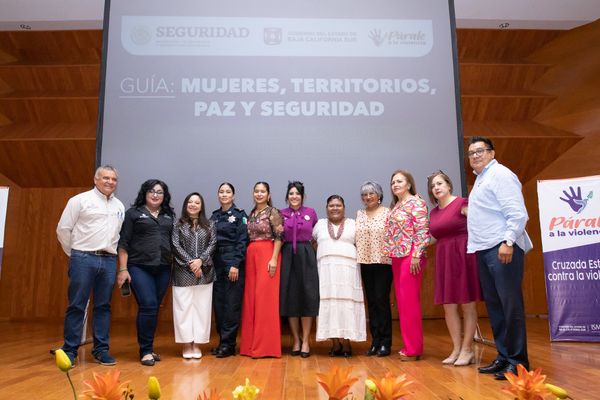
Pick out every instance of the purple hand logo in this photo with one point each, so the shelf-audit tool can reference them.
(574, 199)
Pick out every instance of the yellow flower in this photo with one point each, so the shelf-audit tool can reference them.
(246, 392)
(559, 392)
(63, 362)
(336, 382)
(526, 385)
(370, 389)
(391, 387)
(105, 387)
(213, 395)
(153, 388)
(371, 385)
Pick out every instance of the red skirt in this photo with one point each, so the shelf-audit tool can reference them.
(261, 330)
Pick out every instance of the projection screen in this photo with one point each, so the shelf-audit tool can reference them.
(331, 93)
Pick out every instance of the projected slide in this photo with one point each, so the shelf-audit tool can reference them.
(331, 93)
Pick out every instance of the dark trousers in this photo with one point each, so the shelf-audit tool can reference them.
(377, 281)
(227, 301)
(89, 273)
(149, 285)
(503, 295)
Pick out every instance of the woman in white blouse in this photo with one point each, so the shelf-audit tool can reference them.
(342, 309)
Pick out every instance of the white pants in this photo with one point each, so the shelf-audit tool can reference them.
(192, 310)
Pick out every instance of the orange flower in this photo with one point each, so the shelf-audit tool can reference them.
(213, 395)
(336, 382)
(527, 385)
(106, 387)
(391, 387)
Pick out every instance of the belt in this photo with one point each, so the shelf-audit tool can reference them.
(100, 253)
(225, 249)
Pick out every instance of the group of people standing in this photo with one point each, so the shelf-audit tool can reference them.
(254, 269)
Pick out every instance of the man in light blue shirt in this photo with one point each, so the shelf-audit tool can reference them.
(496, 225)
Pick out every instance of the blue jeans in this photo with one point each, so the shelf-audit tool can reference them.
(501, 288)
(149, 285)
(87, 273)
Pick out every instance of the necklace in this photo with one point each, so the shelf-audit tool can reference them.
(257, 212)
(339, 232)
(154, 213)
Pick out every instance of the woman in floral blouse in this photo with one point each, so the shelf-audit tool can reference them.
(407, 235)
(261, 332)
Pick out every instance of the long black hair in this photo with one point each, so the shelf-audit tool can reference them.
(165, 206)
(266, 185)
(203, 222)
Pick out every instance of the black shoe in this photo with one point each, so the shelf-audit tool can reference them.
(224, 352)
(214, 350)
(372, 350)
(383, 351)
(499, 376)
(347, 353)
(495, 367)
(336, 351)
(305, 354)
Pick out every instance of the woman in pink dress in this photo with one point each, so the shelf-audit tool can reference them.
(456, 278)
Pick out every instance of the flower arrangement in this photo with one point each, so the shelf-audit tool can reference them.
(337, 383)
(529, 385)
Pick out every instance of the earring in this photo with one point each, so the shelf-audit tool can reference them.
(379, 201)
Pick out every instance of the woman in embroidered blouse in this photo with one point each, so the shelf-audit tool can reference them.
(194, 240)
(145, 259)
(299, 285)
(375, 268)
(407, 235)
(261, 332)
(456, 273)
(342, 308)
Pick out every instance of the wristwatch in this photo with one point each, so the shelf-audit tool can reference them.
(509, 243)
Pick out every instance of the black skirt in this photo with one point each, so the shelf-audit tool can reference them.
(299, 285)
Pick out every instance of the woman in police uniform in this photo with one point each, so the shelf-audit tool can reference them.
(228, 289)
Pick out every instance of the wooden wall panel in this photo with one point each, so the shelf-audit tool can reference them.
(51, 47)
(510, 45)
(49, 109)
(485, 107)
(498, 76)
(43, 78)
(48, 163)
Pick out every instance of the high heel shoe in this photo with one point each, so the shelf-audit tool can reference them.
(404, 357)
(465, 358)
(451, 359)
(295, 353)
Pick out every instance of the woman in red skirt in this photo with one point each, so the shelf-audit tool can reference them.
(261, 331)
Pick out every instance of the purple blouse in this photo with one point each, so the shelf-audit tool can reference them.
(298, 224)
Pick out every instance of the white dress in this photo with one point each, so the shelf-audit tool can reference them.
(342, 306)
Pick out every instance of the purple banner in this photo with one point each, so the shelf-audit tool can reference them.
(570, 230)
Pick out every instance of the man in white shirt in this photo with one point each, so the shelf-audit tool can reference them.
(88, 232)
(496, 226)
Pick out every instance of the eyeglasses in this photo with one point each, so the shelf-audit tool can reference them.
(156, 192)
(478, 152)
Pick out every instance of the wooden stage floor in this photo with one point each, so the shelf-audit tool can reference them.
(28, 371)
